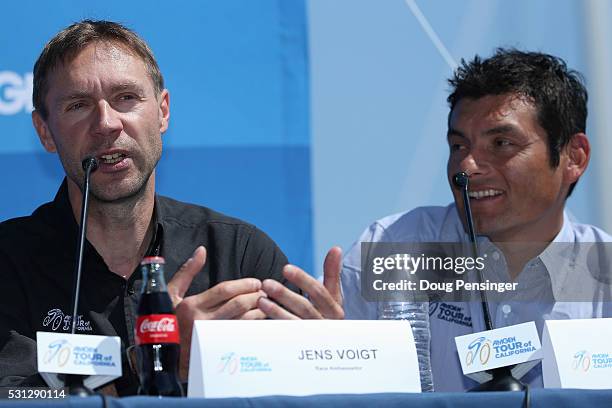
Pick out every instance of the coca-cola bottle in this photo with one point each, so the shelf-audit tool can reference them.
(157, 334)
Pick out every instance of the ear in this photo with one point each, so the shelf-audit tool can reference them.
(578, 154)
(44, 134)
(164, 110)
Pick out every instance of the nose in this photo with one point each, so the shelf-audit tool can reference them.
(108, 121)
(475, 163)
(469, 164)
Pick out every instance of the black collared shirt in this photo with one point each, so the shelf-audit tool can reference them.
(37, 258)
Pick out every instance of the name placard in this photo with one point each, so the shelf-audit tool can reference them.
(256, 358)
(62, 353)
(501, 347)
(577, 353)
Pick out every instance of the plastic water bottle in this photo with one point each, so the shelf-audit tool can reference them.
(417, 313)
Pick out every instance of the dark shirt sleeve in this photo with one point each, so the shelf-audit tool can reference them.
(18, 361)
(17, 349)
(262, 258)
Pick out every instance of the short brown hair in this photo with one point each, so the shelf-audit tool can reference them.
(67, 43)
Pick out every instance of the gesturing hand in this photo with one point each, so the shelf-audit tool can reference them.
(325, 299)
(235, 299)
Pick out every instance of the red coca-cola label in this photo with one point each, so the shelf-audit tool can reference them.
(156, 328)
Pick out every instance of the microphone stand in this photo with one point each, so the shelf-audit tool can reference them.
(74, 382)
(502, 380)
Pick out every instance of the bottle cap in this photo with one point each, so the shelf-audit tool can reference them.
(153, 259)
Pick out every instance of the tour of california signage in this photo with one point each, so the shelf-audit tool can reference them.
(576, 358)
(517, 346)
(254, 358)
(98, 357)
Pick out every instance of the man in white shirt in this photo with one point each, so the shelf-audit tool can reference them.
(517, 127)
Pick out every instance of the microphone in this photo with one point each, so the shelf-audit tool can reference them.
(79, 374)
(502, 377)
(89, 164)
(73, 381)
(462, 181)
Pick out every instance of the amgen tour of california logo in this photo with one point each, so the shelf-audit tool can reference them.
(58, 350)
(231, 363)
(585, 361)
(228, 363)
(582, 361)
(479, 348)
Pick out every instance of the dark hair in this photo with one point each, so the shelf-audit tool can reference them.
(67, 43)
(558, 93)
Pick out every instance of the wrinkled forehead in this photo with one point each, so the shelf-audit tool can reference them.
(98, 52)
(492, 108)
(98, 62)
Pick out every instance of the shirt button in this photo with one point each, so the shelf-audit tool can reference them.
(506, 309)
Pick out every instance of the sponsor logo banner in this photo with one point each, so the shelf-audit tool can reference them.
(78, 354)
(499, 348)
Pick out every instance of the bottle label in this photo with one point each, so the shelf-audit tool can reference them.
(157, 328)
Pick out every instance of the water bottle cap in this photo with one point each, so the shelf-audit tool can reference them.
(153, 259)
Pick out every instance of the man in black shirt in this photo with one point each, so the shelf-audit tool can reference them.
(98, 92)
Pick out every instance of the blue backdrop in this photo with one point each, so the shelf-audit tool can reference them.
(239, 131)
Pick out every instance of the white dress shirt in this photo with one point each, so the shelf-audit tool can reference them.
(551, 278)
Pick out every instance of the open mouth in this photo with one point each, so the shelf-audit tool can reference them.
(478, 195)
(111, 158)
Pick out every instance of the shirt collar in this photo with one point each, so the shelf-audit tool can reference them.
(156, 245)
(567, 233)
(559, 258)
(66, 222)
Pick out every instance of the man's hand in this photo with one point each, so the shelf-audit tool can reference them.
(235, 299)
(325, 299)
